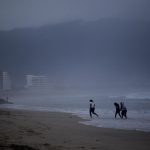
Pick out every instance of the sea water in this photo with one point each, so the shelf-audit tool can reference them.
(138, 109)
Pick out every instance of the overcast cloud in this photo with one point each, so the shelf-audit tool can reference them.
(27, 13)
(80, 43)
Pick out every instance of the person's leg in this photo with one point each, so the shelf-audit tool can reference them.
(90, 111)
(125, 114)
(115, 114)
(122, 114)
(119, 114)
(95, 113)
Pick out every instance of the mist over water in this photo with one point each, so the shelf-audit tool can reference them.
(79, 97)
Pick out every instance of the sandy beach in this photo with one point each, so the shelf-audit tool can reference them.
(26, 130)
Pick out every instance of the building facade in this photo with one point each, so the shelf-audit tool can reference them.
(5, 81)
(33, 81)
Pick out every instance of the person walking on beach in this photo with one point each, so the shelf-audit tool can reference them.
(92, 108)
(117, 110)
(123, 110)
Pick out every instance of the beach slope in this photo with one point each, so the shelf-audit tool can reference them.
(26, 130)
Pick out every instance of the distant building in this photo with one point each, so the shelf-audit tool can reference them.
(5, 82)
(33, 81)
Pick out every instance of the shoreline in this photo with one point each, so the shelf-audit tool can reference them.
(36, 130)
(107, 123)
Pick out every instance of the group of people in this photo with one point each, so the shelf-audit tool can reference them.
(120, 109)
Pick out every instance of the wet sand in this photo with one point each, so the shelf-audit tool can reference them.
(26, 130)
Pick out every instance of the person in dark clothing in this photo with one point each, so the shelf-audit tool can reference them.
(121, 105)
(123, 110)
(117, 110)
(92, 108)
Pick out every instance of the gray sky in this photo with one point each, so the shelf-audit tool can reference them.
(111, 48)
(27, 13)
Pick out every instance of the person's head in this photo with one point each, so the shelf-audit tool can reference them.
(115, 103)
(91, 100)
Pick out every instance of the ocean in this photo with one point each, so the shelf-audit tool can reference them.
(138, 109)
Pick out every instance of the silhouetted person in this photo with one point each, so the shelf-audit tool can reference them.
(121, 105)
(117, 110)
(92, 108)
(123, 110)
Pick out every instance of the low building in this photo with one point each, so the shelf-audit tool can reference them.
(33, 81)
(5, 81)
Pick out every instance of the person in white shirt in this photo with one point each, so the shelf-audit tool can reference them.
(92, 108)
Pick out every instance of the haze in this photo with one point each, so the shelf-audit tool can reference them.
(77, 43)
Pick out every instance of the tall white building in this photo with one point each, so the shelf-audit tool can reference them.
(33, 81)
(5, 82)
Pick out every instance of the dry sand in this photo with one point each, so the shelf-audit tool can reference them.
(24, 130)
